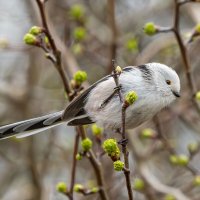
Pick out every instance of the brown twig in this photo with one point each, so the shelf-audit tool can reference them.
(74, 163)
(123, 133)
(55, 51)
(182, 47)
(58, 64)
(183, 51)
(168, 146)
(126, 153)
(97, 167)
(113, 27)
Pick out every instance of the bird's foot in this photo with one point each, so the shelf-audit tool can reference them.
(123, 142)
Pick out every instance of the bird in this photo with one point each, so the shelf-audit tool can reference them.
(156, 85)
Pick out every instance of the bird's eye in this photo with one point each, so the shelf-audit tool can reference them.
(168, 82)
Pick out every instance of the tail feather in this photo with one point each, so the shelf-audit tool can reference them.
(31, 126)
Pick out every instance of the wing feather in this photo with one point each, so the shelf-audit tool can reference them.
(76, 107)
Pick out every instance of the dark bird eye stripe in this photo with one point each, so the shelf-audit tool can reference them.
(146, 72)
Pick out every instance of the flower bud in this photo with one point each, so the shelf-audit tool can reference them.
(46, 40)
(77, 12)
(96, 130)
(78, 188)
(193, 147)
(79, 33)
(150, 28)
(197, 96)
(80, 77)
(111, 148)
(118, 165)
(77, 49)
(196, 181)
(78, 156)
(197, 28)
(61, 187)
(131, 97)
(30, 39)
(148, 133)
(169, 197)
(86, 144)
(132, 45)
(138, 184)
(173, 159)
(35, 30)
(118, 69)
(95, 189)
(183, 160)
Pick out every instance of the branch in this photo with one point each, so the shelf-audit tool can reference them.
(158, 186)
(112, 25)
(97, 167)
(183, 51)
(55, 51)
(126, 153)
(74, 163)
(123, 133)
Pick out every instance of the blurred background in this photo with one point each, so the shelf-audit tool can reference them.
(89, 39)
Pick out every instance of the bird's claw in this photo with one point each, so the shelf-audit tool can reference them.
(123, 142)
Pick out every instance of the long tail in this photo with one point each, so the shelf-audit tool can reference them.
(31, 126)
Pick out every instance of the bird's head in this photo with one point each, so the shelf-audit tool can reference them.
(167, 80)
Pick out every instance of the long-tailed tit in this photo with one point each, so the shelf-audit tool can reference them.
(156, 85)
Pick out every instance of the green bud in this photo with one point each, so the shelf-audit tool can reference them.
(150, 28)
(197, 28)
(78, 156)
(77, 48)
(132, 45)
(148, 133)
(197, 96)
(96, 130)
(169, 197)
(46, 40)
(193, 147)
(79, 33)
(86, 144)
(78, 188)
(110, 147)
(35, 30)
(196, 181)
(30, 39)
(118, 165)
(173, 159)
(80, 77)
(183, 160)
(138, 184)
(131, 97)
(95, 189)
(77, 12)
(61, 187)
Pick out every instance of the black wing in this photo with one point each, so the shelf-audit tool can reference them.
(75, 113)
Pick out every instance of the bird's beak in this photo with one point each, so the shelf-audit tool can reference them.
(176, 94)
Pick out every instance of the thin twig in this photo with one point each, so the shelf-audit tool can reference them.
(123, 133)
(97, 167)
(168, 146)
(126, 153)
(74, 163)
(183, 52)
(112, 25)
(56, 52)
